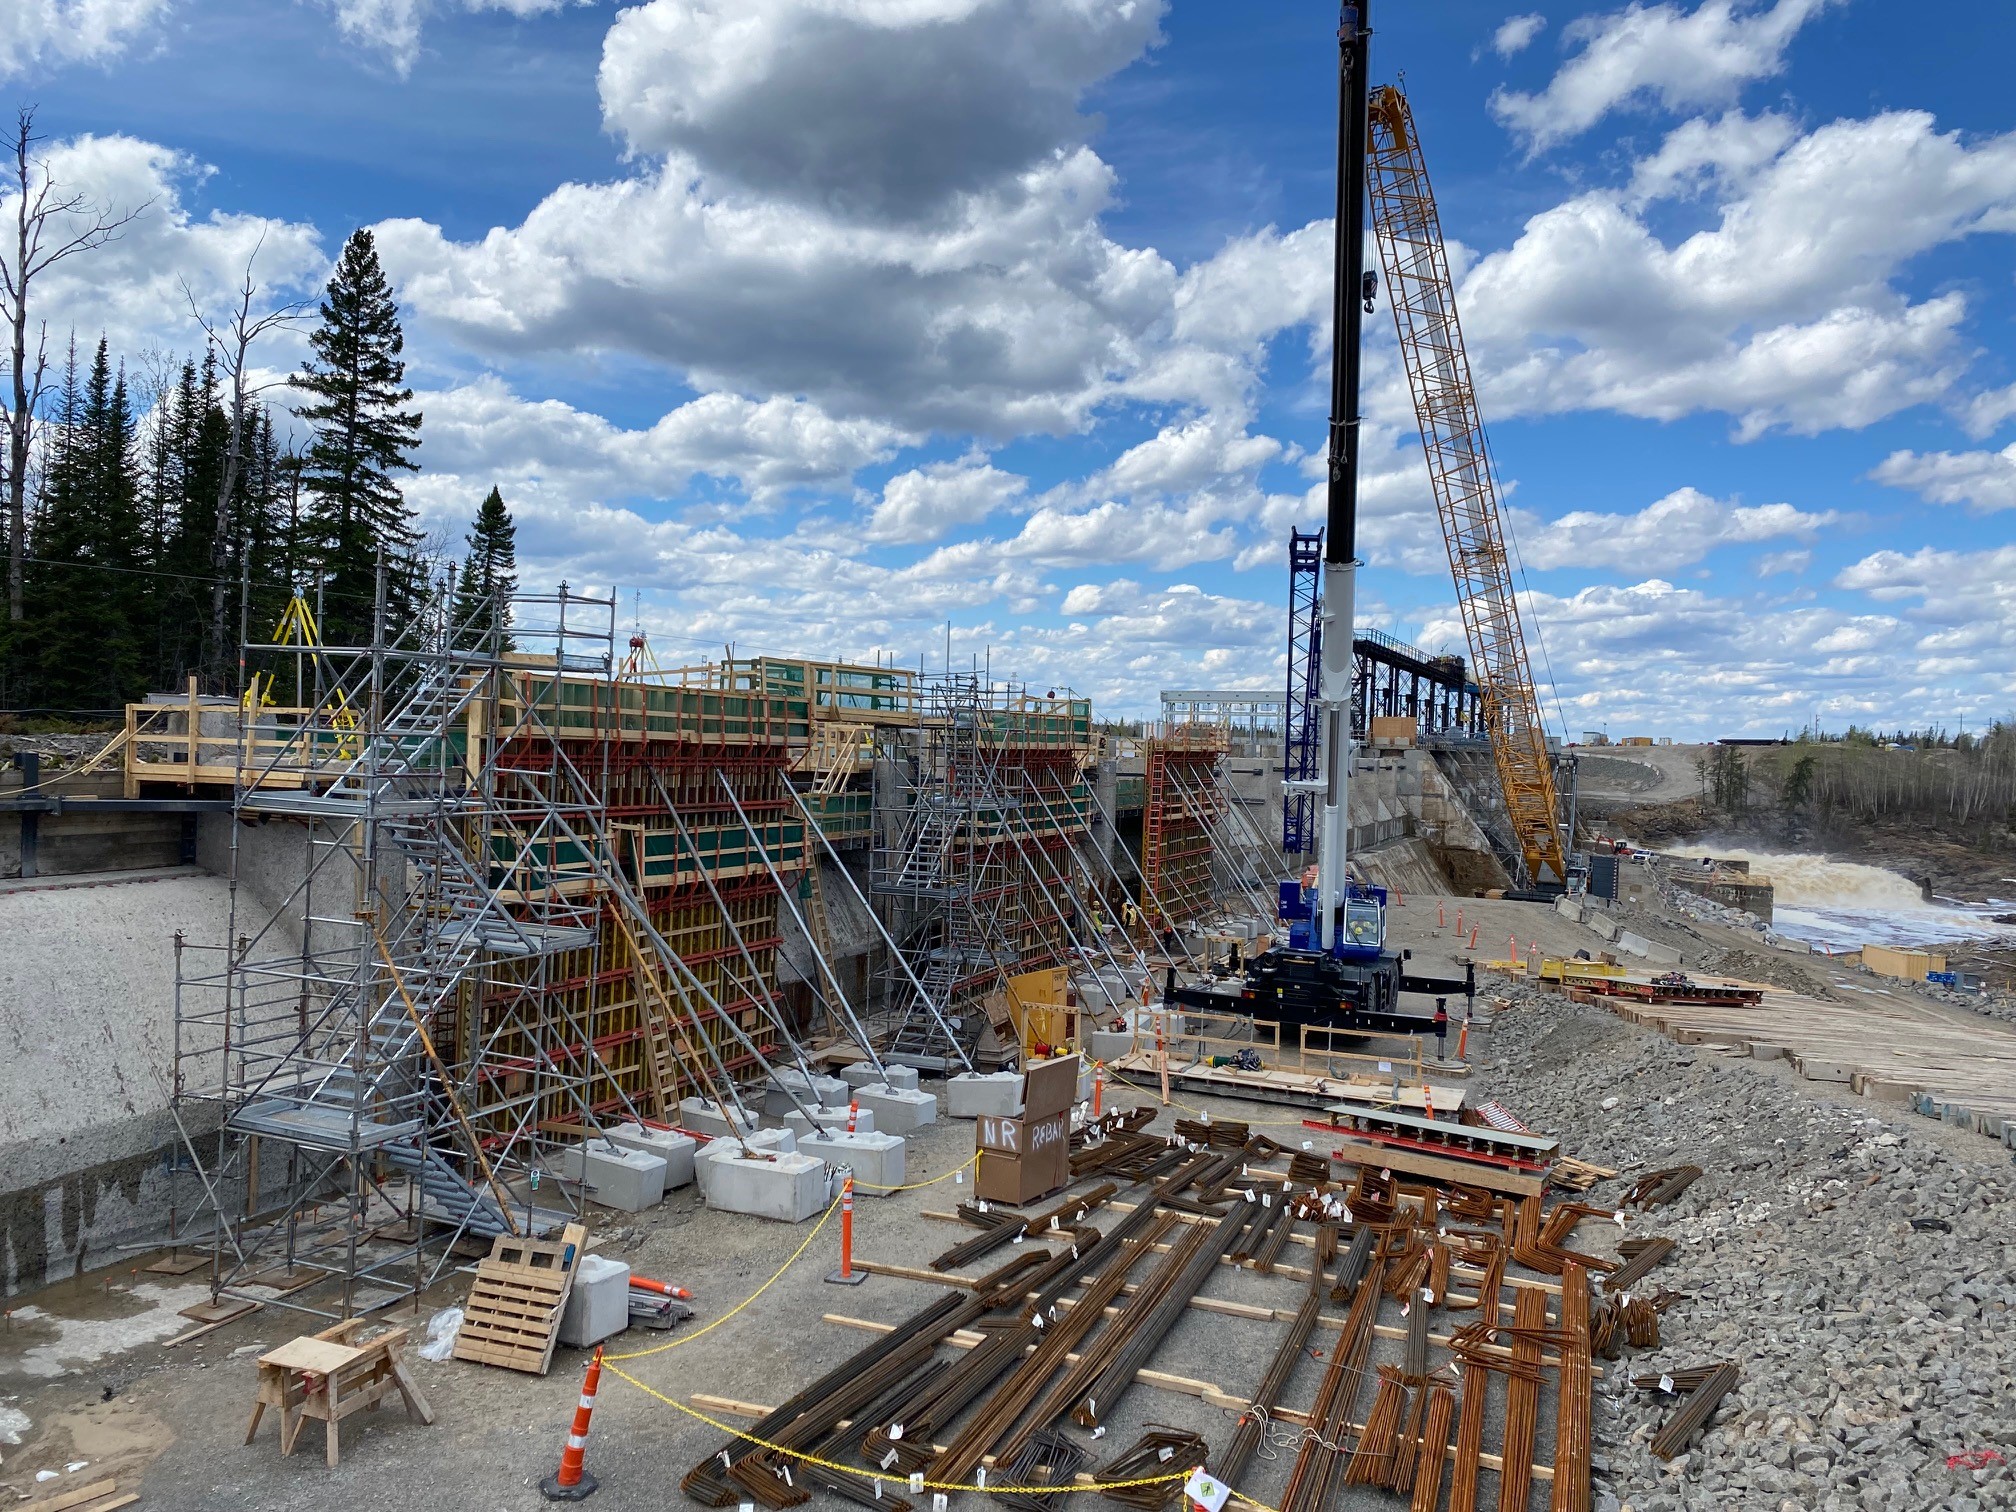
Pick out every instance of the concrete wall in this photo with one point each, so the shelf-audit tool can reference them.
(1408, 865)
(1395, 795)
(854, 938)
(87, 1020)
(71, 844)
(274, 855)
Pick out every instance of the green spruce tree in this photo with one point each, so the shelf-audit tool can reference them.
(489, 576)
(363, 436)
(87, 542)
(186, 466)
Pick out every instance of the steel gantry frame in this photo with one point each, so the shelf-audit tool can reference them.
(1422, 294)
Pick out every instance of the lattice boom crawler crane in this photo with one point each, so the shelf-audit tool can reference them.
(1422, 295)
(1336, 971)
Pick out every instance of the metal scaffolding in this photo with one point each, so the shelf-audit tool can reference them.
(366, 1069)
(981, 813)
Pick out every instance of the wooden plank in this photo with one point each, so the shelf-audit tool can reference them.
(208, 1328)
(1435, 1167)
(126, 1500)
(177, 1265)
(223, 1310)
(76, 1497)
(308, 1353)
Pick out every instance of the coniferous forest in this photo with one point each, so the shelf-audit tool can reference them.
(166, 509)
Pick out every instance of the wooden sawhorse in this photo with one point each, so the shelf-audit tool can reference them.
(327, 1377)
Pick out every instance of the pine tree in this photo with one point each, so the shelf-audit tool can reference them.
(362, 439)
(489, 575)
(264, 544)
(88, 541)
(188, 465)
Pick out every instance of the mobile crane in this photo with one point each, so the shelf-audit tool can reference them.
(1336, 970)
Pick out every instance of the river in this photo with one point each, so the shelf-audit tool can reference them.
(1842, 904)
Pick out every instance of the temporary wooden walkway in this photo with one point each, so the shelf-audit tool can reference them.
(1893, 1049)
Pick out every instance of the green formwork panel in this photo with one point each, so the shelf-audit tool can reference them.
(665, 860)
(581, 709)
(1071, 727)
(547, 863)
(844, 816)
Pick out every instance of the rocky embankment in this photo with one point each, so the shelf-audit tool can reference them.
(1859, 1268)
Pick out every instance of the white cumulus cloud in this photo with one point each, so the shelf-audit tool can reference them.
(41, 33)
(1984, 481)
(923, 503)
(1516, 33)
(875, 107)
(131, 287)
(1679, 58)
(1671, 532)
(1782, 314)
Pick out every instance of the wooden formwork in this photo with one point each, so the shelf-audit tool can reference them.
(626, 1015)
(1176, 850)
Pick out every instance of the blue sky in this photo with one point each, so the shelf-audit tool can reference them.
(812, 324)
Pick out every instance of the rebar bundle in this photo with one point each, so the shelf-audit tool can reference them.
(1157, 1452)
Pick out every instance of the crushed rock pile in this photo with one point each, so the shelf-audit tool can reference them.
(1859, 1268)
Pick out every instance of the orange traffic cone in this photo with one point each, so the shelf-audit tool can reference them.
(847, 1275)
(572, 1482)
(1441, 922)
(1098, 1086)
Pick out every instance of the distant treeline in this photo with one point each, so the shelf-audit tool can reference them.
(1957, 780)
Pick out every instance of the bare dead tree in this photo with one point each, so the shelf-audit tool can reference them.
(51, 223)
(232, 335)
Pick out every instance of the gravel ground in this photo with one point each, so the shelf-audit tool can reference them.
(1871, 1349)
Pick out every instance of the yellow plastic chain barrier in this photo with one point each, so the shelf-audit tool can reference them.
(609, 1362)
(874, 1475)
(638, 1354)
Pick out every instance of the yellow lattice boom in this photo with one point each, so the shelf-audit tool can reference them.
(1423, 298)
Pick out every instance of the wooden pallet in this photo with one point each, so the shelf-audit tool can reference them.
(512, 1317)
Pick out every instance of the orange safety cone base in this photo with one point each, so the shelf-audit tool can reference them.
(581, 1490)
(572, 1482)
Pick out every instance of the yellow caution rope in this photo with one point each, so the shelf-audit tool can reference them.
(831, 1208)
